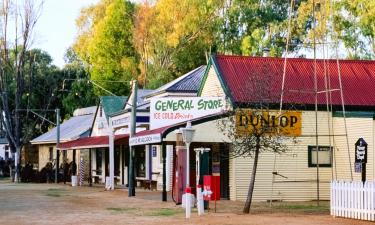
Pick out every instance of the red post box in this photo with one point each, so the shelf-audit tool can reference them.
(211, 188)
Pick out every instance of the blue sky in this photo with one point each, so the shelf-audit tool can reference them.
(56, 30)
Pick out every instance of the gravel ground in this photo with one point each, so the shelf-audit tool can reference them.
(62, 204)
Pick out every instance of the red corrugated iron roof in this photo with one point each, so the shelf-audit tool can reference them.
(92, 142)
(251, 79)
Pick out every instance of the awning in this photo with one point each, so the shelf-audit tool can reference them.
(156, 135)
(93, 142)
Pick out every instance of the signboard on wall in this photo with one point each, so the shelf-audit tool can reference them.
(361, 151)
(288, 123)
(168, 111)
(143, 140)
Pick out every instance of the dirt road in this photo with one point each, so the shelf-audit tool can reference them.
(61, 204)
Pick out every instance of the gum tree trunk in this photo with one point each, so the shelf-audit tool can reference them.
(247, 206)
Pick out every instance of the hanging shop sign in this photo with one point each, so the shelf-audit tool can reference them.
(147, 139)
(287, 123)
(361, 151)
(123, 120)
(168, 111)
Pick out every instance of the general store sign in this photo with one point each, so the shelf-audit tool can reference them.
(168, 111)
(287, 123)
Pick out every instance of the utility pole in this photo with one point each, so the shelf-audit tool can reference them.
(111, 155)
(133, 122)
(57, 144)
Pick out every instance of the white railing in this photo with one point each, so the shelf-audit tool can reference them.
(353, 199)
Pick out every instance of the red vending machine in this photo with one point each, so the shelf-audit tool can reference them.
(211, 185)
(179, 182)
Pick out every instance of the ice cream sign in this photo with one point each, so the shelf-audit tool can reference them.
(168, 111)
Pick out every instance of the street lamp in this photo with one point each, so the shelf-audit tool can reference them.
(187, 136)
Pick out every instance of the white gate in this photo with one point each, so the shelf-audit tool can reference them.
(353, 199)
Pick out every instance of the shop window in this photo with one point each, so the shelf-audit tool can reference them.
(50, 154)
(325, 156)
(139, 163)
(154, 151)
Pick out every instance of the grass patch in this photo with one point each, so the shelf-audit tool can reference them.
(56, 192)
(120, 210)
(303, 208)
(164, 212)
(292, 207)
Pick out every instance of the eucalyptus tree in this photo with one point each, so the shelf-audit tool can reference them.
(17, 23)
(173, 37)
(105, 44)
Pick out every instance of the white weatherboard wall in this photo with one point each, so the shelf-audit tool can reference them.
(212, 86)
(300, 184)
(357, 128)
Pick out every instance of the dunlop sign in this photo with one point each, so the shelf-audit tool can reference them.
(287, 124)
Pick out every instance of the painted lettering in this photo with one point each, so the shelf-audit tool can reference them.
(293, 120)
(209, 104)
(284, 121)
(288, 124)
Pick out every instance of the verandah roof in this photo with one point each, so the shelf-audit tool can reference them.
(93, 142)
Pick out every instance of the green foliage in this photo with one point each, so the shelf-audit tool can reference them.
(355, 26)
(39, 91)
(105, 44)
(250, 27)
(46, 87)
(173, 37)
(77, 91)
(159, 41)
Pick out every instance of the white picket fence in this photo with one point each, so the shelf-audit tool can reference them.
(353, 200)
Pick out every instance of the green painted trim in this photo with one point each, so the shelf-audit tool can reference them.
(204, 77)
(354, 114)
(212, 62)
(222, 82)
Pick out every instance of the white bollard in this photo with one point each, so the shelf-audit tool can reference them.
(74, 181)
(188, 202)
(200, 204)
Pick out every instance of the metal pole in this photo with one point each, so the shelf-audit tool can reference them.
(90, 166)
(197, 168)
(111, 156)
(133, 118)
(164, 155)
(187, 165)
(57, 143)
